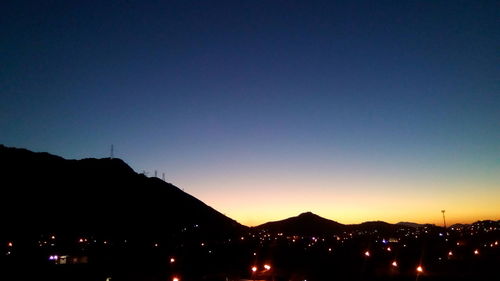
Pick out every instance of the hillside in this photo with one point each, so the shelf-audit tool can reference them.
(312, 224)
(46, 193)
(303, 224)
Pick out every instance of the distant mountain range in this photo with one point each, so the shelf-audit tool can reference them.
(311, 224)
(46, 193)
(303, 224)
(307, 224)
(410, 224)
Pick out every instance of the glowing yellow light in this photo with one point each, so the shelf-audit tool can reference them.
(394, 263)
(267, 267)
(254, 268)
(367, 253)
(420, 269)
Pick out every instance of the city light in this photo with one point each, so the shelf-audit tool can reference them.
(420, 269)
(395, 263)
(172, 260)
(476, 252)
(267, 267)
(176, 279)
(254, 268)
(367, 253)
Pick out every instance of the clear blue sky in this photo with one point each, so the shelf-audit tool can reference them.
(316, 103)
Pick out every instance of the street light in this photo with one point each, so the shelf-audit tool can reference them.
(254, 269)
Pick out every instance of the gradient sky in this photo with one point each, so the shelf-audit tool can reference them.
(354, 110)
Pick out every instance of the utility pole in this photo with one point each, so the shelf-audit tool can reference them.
(112, 154)
(444, 220)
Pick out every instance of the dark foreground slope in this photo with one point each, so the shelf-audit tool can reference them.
(46, 193)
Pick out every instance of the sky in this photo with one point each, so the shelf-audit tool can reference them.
(354, 110)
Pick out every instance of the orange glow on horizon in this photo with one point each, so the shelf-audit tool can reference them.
(254, 199)
(252, 219)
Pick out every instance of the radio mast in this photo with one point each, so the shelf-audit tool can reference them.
(444, 220)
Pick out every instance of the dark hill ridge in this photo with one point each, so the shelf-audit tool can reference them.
(409, 224)
(42, 192)
(311, 224)
(303, 224)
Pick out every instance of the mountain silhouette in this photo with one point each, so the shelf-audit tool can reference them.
(412, 224)
(312, 224)
(303, 224)
(371, 226)
(45, 193)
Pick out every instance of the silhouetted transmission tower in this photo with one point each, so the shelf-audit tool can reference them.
(444, 220)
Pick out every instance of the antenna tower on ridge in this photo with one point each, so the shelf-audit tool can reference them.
(444, 220)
